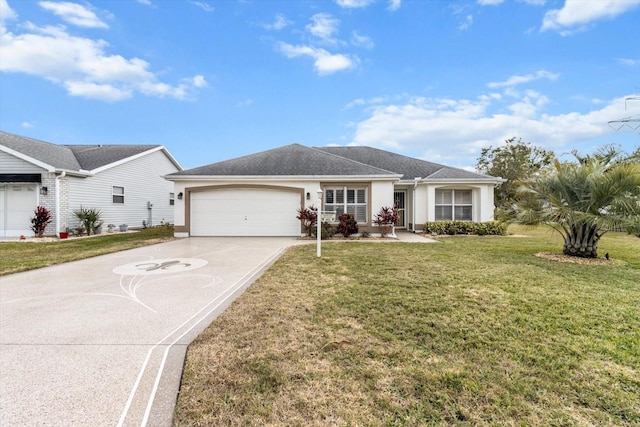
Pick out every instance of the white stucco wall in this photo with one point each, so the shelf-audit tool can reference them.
(380, 192)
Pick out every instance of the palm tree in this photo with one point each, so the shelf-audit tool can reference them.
(583, 200)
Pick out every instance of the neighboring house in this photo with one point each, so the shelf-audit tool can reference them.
(125, 182)
(259, 194)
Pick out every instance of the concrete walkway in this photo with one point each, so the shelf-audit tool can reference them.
(407, 236)
(101, 342)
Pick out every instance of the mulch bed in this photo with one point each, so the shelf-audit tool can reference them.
(577, 260)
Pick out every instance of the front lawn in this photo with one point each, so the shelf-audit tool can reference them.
(469, 331)
(21, 256)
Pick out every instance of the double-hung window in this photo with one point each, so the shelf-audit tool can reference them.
(352, 200)
(172, 200)
(454, 205)
(118, 194)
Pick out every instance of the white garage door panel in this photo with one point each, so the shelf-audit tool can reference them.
(245, 213)
(3, 223)
(18, 204)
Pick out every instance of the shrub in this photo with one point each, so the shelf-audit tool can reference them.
(89, 219)
(309, 219)
(347, 225)
(326, 231)
(40, 220)
(386, 219)
(493, 228)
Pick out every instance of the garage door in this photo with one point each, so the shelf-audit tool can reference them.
(17, 203)
(245, 212)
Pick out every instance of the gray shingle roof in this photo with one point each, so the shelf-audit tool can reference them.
(95, 156)
(298, 160)
(290, 160)
(408, 167)
(71, 157)
(54, 155)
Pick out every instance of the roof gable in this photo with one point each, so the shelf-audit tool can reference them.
(76, 158)
(290, 160)
(52, 156)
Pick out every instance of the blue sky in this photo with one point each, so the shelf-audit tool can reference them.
(213, 80)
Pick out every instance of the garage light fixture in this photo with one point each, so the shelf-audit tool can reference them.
(308, 196)
(180, 196)
(44, 191)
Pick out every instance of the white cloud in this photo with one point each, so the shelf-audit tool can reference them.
(202, 5)
(279, 23)
(394, 5)
(325, 62)
(453, 131)
(628, 61)
(145, 2)
(577, 13)
(83, 67)
(103, 92)
(6, 13)
(27, 125)
(518, 80)
(324, 26)
(489, 2)
(466, 23)
(74, 14)
(245, 103)
(354, 4)
(361, 40)
(199, 81)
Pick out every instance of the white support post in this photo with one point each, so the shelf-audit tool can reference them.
(319, 225)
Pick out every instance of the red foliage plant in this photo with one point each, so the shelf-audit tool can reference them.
(40, 220)
(309, 218)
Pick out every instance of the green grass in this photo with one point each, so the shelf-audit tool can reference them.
(22, 256)
(470, 331)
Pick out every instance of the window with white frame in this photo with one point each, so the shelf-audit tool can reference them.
(352, 200)
(172, 199)
(118, 194)
(454, 205)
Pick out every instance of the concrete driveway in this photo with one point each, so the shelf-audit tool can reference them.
(101, 342)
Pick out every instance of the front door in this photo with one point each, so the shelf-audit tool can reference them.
(399, 198)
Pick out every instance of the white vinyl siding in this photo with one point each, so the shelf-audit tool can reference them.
(13, 164)
(454, 205)
(346, 199)
(143, 181)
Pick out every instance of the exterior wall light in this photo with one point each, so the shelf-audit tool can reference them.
(44, 191)
(180, 196)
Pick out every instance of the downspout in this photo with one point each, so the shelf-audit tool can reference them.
(57, 203)
(413, 203)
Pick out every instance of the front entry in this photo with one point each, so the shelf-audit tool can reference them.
(399, 200)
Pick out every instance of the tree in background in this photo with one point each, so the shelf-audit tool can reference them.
(515, 161)
(583, 200)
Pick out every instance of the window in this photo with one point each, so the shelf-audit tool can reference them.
(454, 205)
(172, 199)
(345, 199)
(118, 194)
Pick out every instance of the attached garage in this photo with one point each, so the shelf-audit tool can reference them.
(245, 212)
(17, 203)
